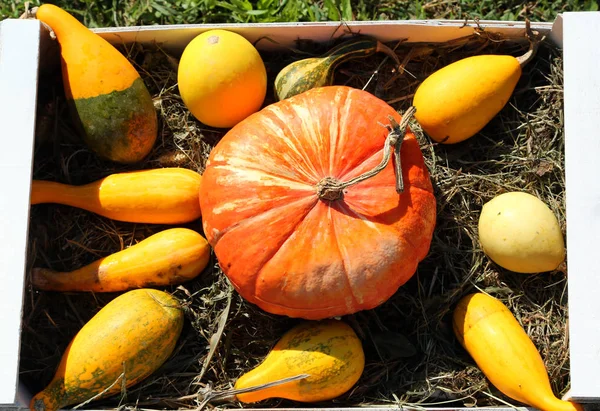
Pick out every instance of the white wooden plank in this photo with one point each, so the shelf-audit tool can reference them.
(582, 161)
(19, 48)
(174, 38)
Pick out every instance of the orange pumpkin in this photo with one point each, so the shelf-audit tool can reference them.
(290, 247)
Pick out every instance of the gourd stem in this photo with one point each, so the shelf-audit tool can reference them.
(331, 189)
(218, 395)
(356, 48)
(30, 13)
(382, 48)
(534, 42)
(528, 56)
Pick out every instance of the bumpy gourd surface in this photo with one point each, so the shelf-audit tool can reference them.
(133, 334)
(286, 250)
(328, 351)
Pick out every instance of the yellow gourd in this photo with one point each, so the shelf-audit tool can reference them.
(457, 101)
(519, 232)
(154, 196)
(328, 351)
(123, 344)
(222, 78)
(504, 352)
(169, 257)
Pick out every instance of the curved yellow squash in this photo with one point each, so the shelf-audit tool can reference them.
(154, 196)
(329, 351)
(504, 352)
(125, 342)
(457, 101)
(169, 257)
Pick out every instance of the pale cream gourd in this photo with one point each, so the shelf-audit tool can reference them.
(519, 232)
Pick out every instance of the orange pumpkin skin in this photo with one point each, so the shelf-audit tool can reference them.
(133, 334)
(288, 251)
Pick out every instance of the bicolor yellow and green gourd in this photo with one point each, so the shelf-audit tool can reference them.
(305, 74)
(108, 100)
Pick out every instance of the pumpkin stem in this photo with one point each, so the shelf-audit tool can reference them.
(331, 189)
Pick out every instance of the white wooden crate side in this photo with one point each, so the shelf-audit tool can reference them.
(582, 169)
(19, 51)
(174, 38)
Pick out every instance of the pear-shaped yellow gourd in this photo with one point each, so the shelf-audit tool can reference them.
(328, 351)
(457, 101)
(108, 101)
(504, 352)
(123, 344)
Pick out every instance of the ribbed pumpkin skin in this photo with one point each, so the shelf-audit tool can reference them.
(169, 257)
(282, 247)
(135, 333)
(503, 351)
(157, 196)
(329, 351)
(107, 98)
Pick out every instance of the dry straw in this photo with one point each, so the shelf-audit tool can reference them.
(412, 355)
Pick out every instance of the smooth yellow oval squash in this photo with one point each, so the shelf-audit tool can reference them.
(519, 232)
(329, 351)
(504, 352)
(457, 101)
(222, 78)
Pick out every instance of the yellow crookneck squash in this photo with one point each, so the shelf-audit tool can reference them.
(169, 257)
(503, 351)
(155, 196)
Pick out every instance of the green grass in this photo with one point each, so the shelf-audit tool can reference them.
(103, 13)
